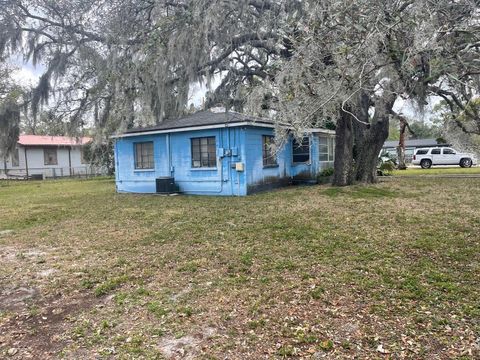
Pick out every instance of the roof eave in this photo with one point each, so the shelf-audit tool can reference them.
(208, 127)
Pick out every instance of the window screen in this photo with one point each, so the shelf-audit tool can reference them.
(301, 151)
(204, 152)
(269, 158)
(144, 155)
(50, 156)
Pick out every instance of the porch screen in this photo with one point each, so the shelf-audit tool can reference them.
(144, 155)
(204, 152)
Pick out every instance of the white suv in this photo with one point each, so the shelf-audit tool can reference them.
(442, 156)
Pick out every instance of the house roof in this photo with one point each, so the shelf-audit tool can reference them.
(414, 143)
(203, 120)
(40, 140)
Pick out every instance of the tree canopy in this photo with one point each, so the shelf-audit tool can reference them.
(127, 62)
(11, 97)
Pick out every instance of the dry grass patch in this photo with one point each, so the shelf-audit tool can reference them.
(301, 272)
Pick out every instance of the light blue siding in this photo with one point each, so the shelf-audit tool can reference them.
(258, 176)
(172, 154)
(173, 157)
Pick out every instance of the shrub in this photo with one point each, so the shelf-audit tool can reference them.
(326, 172)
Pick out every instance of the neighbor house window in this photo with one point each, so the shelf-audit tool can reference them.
(144, 155)
(269, 158)
(326, 148)
(301, 151)
(50, 156)
(15, 158)
(204, 152)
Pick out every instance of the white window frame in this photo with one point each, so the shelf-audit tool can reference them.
(330, 144)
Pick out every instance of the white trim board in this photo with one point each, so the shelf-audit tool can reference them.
(207, 127)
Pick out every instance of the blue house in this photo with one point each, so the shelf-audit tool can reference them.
(216, 153)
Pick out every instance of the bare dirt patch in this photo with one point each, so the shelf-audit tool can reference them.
(16, 298)
(187, 347)
(41, 334)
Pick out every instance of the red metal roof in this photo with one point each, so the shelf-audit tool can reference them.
(30, 140)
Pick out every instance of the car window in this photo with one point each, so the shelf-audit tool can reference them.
(422, 152)
(435, 151)
(448, 152)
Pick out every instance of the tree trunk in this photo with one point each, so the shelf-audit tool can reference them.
(368, 145)
(370, 139)
(401, 158)
(343, 164)
(401, 145)
(359, 140)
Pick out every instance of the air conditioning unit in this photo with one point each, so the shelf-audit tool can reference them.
(165, 185)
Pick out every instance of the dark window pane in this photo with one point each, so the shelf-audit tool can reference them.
(50, 156)
(203, 152)
(269, 157)
(301, 151)
(435, 151)
(421, 152)
(144, 158)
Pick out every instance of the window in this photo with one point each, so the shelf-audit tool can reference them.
(435, 151)
(326, 148)
(448, 152)
(15, 158)
(144, 155)
(301, 152)
(50, 157)
(204, 152)
(269, 158)
(421, 152)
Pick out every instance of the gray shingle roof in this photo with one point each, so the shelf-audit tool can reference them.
(202, 118)
(414, 143)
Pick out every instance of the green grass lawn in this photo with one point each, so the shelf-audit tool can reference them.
(438, 171)
(305, 272)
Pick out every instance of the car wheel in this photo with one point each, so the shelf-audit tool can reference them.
(466, 163)
(426, 164)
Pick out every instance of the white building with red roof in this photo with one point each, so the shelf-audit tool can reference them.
(47, 156)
